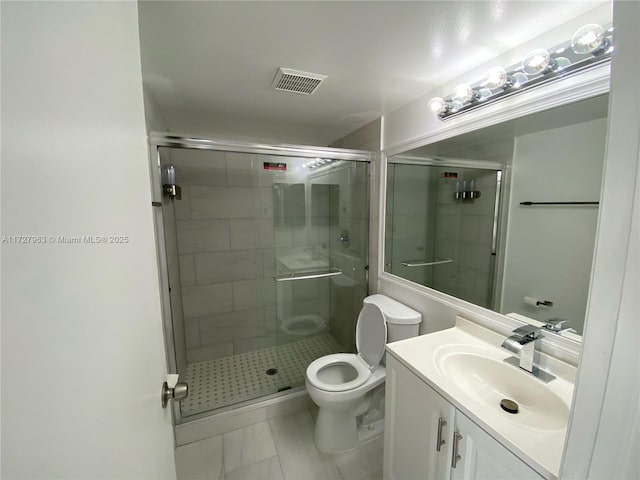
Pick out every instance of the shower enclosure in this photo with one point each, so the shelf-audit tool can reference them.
(264, 253)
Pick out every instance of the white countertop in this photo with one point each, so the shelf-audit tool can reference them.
(535, 436)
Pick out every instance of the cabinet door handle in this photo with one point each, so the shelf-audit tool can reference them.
(456, 456)
(440, 442)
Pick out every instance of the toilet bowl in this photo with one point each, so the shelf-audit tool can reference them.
(343, 385)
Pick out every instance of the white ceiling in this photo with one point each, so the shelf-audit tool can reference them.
(208, 66)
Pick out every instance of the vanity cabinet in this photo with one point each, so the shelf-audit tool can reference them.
(424, 432)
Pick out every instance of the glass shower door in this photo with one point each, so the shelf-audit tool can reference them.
(321, 233)
(220, 254)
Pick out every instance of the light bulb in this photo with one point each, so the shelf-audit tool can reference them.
(495, 77)
(536, 62)
(438, 105)
(589, 39)
(462, 93)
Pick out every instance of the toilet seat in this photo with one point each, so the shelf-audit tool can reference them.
(371, 338)
(351, 359)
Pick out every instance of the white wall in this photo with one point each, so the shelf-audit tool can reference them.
(82, 346)
(604, 431)
(550, 249)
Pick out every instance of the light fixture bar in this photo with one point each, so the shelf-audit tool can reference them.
(591, 45)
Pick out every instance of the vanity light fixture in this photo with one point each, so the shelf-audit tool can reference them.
(590, 45)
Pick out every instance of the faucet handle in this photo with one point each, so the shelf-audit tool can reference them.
(528, 331)
(557, 325)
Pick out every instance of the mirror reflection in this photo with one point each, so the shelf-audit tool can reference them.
(504, 217)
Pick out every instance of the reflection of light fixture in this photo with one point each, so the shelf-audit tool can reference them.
(538, 66)
(169, 183)
(519, 79)
(589, 39)
(483, 94)
(317, 162)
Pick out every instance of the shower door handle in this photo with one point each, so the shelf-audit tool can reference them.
(309, 275)
(179, 392)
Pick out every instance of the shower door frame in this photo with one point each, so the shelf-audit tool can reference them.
(159, 140)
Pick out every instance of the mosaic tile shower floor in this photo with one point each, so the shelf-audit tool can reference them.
(229, 380)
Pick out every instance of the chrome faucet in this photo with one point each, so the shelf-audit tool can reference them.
(556, 325)
(523, 344)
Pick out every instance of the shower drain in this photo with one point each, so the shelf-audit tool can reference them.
(271, 371)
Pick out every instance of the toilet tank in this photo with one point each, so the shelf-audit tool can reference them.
(402, 321)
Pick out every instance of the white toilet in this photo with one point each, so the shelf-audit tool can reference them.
(343, 385)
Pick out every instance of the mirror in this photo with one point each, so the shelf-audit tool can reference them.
(288, 204)
(504, 217)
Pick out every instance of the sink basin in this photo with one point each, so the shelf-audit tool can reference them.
(489, 381)
(465, 364)
(302, 261)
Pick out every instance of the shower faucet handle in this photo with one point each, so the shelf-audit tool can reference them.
(345, 238)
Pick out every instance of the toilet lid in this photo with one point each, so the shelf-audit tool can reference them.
(371, 334)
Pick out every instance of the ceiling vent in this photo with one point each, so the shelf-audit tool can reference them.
(289, 80)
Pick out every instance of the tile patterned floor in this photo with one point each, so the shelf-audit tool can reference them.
(281, 448)
(229, 380)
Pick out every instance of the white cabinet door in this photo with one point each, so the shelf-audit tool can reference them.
(413, 410)
(483, 457)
